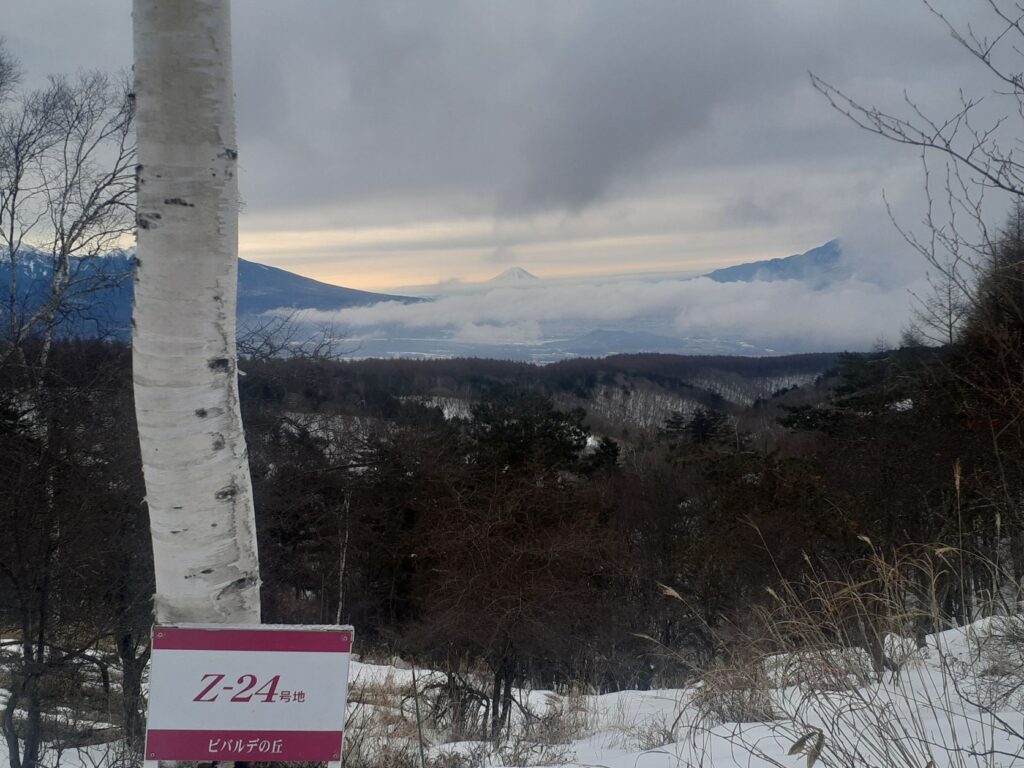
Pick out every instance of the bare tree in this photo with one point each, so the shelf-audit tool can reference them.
(10, 72)
(67, 158)
(975, 142)
(74, 568)
(198, 486)
(978, 146)
(66, 196)
(287, 336)
(976, 305)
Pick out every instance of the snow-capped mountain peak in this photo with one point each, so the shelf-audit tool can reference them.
(513, 275)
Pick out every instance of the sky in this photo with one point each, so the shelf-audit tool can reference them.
(387, 144)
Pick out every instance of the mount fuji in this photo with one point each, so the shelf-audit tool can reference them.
(513, 276)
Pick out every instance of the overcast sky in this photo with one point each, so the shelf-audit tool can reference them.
(386, 144)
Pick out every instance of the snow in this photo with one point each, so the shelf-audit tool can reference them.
(513, 275)
(955, 701)
(942, 706)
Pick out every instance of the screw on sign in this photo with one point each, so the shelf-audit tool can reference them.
(268, 693)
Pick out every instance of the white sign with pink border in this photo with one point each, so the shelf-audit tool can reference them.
(266, 693)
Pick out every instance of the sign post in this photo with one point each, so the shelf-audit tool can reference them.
(260, 692)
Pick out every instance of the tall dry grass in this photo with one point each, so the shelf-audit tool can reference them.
(866, 666)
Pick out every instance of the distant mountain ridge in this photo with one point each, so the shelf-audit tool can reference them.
(262, 288)
(819, 266)
(101, 300)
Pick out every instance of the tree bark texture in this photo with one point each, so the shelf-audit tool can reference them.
(194, 457)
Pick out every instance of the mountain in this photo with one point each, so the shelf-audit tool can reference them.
(98, 301)
(818, 266)
(101, 298)
(513, 276)
(262, 288)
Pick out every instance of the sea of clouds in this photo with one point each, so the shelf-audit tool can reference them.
(851, 314)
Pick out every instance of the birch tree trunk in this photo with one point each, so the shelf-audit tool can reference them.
(186, 389)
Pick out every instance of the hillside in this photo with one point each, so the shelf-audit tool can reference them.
(101, 291)
(818, 266)
(262, 288)
(625, 526)
(620, 393)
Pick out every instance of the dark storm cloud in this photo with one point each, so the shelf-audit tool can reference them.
(746, 212)
(522, 107)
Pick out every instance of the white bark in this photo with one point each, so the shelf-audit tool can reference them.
(186, 390)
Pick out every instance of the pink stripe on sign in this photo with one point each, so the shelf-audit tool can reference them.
(270, 639)
(265, 746)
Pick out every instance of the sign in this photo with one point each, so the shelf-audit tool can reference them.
(267, 693)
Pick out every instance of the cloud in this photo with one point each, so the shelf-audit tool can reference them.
(745, 212)
(521, 107)
(571, 115)
(850, 314)
(526, 332)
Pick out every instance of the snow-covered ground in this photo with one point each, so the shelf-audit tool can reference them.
(955, 702)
